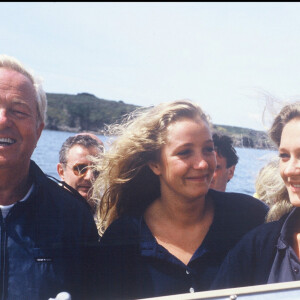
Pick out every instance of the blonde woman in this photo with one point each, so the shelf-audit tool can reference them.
(271, 253)
(167, 233)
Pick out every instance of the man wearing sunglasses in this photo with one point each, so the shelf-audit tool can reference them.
(48, 236)
(74, 166)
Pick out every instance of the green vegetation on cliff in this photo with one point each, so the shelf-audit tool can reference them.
(85, 112)
(244, 137)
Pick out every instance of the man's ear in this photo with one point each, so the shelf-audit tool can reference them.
(40, 129)
(155, 167)
(230, 172)
(60, 171)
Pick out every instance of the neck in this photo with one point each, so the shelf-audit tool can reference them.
(180, 213)
(13, 185)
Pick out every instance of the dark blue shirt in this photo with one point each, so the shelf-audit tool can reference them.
(264, 255)
(286, 263)
(136, 266)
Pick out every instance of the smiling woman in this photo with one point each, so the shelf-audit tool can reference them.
(289, 153)
(271, 253)
(167, 233)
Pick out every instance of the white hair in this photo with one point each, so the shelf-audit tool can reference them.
(12, 63)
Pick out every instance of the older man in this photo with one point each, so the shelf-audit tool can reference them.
(45, 230)
(74, 166)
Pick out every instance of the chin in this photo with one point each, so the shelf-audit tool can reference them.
(295, 200)
(198, 195)
(84, 195)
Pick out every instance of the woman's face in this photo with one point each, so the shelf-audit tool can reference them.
(187, 160)
(289, 153)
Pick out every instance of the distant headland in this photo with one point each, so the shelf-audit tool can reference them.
(86, 112)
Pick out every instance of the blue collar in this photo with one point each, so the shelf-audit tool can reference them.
(287, 229)
(211, 243)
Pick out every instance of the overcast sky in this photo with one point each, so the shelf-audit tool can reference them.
(222, 55)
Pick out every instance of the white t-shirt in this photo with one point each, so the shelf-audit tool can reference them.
(6, 208)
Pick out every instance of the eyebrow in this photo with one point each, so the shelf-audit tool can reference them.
(25, 104)
(19, 101)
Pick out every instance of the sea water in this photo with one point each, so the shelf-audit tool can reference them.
(250, 160)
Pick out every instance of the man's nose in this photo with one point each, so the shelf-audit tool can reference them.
(4, 119)
(214, 175)
(88, 175)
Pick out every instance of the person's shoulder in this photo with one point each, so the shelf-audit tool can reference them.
(266, 229)
(54, 199)
(236, 208)
(233, 196)
(125, 225)
(50, 189)
(239, 200)
(124, 230)
(257, 245)
(263, 236)
(62, 196)
(67, 213)
(266, 233)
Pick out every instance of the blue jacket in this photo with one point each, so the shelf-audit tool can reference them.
(45, 244)
(136, 266)
(251, 260)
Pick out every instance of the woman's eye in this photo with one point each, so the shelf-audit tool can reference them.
(184, 152)
(283, 155)
(209, 149)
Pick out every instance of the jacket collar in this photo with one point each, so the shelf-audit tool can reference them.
(288, 228)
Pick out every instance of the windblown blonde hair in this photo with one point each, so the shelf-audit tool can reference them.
(270, 184)
(271, 189)
(126, 185)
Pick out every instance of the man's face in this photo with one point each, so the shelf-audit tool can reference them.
(222, 174)
(19, 129)
(78, 155)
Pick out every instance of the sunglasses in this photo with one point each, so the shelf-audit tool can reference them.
(80, 170)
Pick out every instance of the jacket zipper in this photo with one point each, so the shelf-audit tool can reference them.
(3, 256)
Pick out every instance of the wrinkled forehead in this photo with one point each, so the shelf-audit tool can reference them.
(16, 84)
(80, 153)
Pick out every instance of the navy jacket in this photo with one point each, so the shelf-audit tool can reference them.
(46, 243)
(250, 261)
(136, 266)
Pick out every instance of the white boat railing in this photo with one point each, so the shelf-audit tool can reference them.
(282, 291)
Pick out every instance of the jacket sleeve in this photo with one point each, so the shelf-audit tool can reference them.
(90, 266)
(250, 261)
(236, 269)
(119, 261)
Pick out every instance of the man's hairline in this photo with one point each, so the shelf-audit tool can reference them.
(28, 76)
(64, 164)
